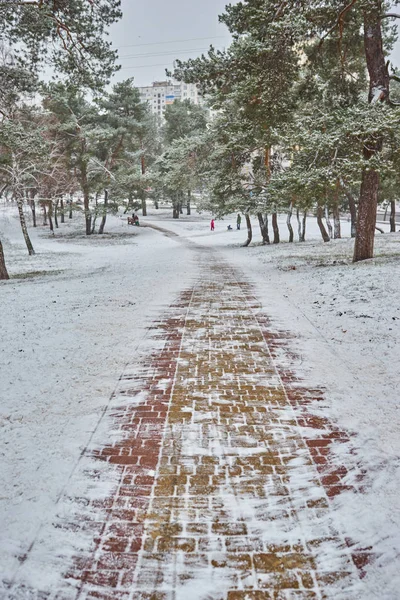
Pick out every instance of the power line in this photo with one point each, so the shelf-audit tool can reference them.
(147, 66)
(175, 52)
(215, 37)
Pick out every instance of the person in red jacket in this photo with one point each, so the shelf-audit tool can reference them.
(212, 225)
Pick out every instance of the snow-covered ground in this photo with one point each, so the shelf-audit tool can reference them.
(64, 343)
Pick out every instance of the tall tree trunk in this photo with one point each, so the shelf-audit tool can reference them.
(275, 228)
(298, 224)
(263, 228)
(386, 211)
(188, 205)
(62, 210)
(303, 227)
(353, 211)
(175, 208)
(50, 215)
(104, 218)
(328, 222)
(44, 215)
(88, 216)
(288, 222)
(33, 207)
(23, 224)
(378, 91)
(3, 269)
(144, 207)
(70, 207)
(337, 234)
(55, 214)
(392, 216)
(324, 233)
(249, 230)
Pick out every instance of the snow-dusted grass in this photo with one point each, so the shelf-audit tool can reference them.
(72, 317)
(74, 314)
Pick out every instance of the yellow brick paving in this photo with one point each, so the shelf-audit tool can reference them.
(237, 510)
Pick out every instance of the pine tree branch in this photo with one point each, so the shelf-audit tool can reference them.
(390, 15)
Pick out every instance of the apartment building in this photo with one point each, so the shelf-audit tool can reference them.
(162, 93)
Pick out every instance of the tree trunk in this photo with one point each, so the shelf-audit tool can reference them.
(263, 228)
(33, 207)
(337, 234)
(62, 210)
(55, 214)
(44, 215)
(88, 216)
(275, 228)
(324, 233)
(392, 216)
(288, 222)
(3, 269)
(353, 212)
(50, 215)
(386, 210)
(328, 221)
(104, 218)
(303, 227)
(378, 91)
(70, 207)
(156, 204)
(175, 208)
(249, 231)
(144, 207)
(24, 228)
(188, 207)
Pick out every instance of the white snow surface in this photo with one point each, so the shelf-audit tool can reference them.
(65, 341)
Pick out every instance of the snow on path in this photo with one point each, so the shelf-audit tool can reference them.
(50, 445)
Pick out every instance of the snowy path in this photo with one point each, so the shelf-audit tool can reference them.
(215, 467)
(224, 480)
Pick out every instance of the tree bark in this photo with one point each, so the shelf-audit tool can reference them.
(62, 210)
(324, 233)
(263, 228)
(275, 228)
(22, 220)
(3, 269)
(303, 227)
(50, 215)
(392, 216)
(144, 207)
(33, 207)
(55, 214)
(328, 222)
(337, 234)
(289, 224)
(44, 215)
(70, 207)
(378, 82)
(175, 208)
(188, 205)
(249, 231)
(353, 211)
(104, 218)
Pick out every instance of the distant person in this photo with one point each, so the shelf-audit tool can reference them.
(238, 221)
(229, 227)
(212, 225)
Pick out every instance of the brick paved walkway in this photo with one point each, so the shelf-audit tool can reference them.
(226, 479)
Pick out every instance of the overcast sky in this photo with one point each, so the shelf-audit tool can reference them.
(152, 33)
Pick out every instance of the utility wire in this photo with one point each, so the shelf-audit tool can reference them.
(215, 37)
(163, 53)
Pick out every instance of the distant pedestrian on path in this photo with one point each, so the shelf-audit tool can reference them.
(238, 221)
(212, 225)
